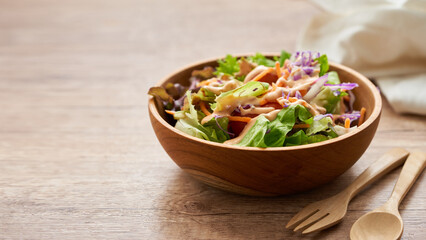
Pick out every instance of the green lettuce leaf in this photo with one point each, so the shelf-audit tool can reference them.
(228, 66)
(327, 100)
(319, 126)
(284, 56)
(255, 136)
(210, 131)
(206, 95)
(333, 78)
(265, 133)
(259, 59)
(248, 90)
(323, 61)
(215, 132)
(300, 138)
(317, 138)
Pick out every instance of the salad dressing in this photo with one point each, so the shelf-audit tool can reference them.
(230, 103)
(228, 86)
(255, 110)
(256, 71)
(270, 116)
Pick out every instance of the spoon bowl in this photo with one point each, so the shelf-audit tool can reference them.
(377, 225)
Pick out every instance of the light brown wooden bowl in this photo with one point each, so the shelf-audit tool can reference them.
(269, 171)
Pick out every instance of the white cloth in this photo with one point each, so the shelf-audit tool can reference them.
(384, 40)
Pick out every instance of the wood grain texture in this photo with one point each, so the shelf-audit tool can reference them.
(78, 157)
(271, 171)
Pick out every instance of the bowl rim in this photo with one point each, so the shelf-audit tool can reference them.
(374, 115)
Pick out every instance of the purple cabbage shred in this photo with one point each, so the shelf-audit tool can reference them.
(218, 125)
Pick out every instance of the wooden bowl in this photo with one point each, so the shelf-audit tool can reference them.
(269, 171)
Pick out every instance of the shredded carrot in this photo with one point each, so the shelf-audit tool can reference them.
(286, 74)
(263, 101)
(292, 99)
(301, 126)
(204, 108)
(347, 123)
(281, 84)
(361, 118)
(170, 112)
(303, 92)
(278, 69)
(274, 87)
(262, 74)
(239, 119)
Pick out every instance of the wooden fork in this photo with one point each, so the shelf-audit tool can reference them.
(328, 212)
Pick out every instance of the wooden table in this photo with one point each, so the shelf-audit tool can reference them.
(78, 157)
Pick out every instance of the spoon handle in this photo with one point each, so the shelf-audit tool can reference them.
(389, 161)
(412, 169)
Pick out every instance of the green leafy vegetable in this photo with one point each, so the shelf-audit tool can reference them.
(249, 90)
(333, 78)
(256, 134)
(323, 61)
(326, 99)
(265, 133)
(228, 66)
(300, 138)
(319, 126)
(282, 125)
(216, 132)
(317, 138)
(190, 124)
(206, 95)
(259, 59)
(284, 56)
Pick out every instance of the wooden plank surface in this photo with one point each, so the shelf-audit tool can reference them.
(78, 157)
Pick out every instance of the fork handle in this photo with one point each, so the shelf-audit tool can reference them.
(389, 161)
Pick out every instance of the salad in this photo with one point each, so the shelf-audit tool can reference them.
(256, 101)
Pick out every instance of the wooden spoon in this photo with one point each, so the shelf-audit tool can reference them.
(385, 222)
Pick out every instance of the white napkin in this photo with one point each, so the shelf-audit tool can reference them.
(384, 40)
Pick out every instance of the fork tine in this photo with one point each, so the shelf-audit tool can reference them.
(325, 222)
(301, 216)
(312, 219)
